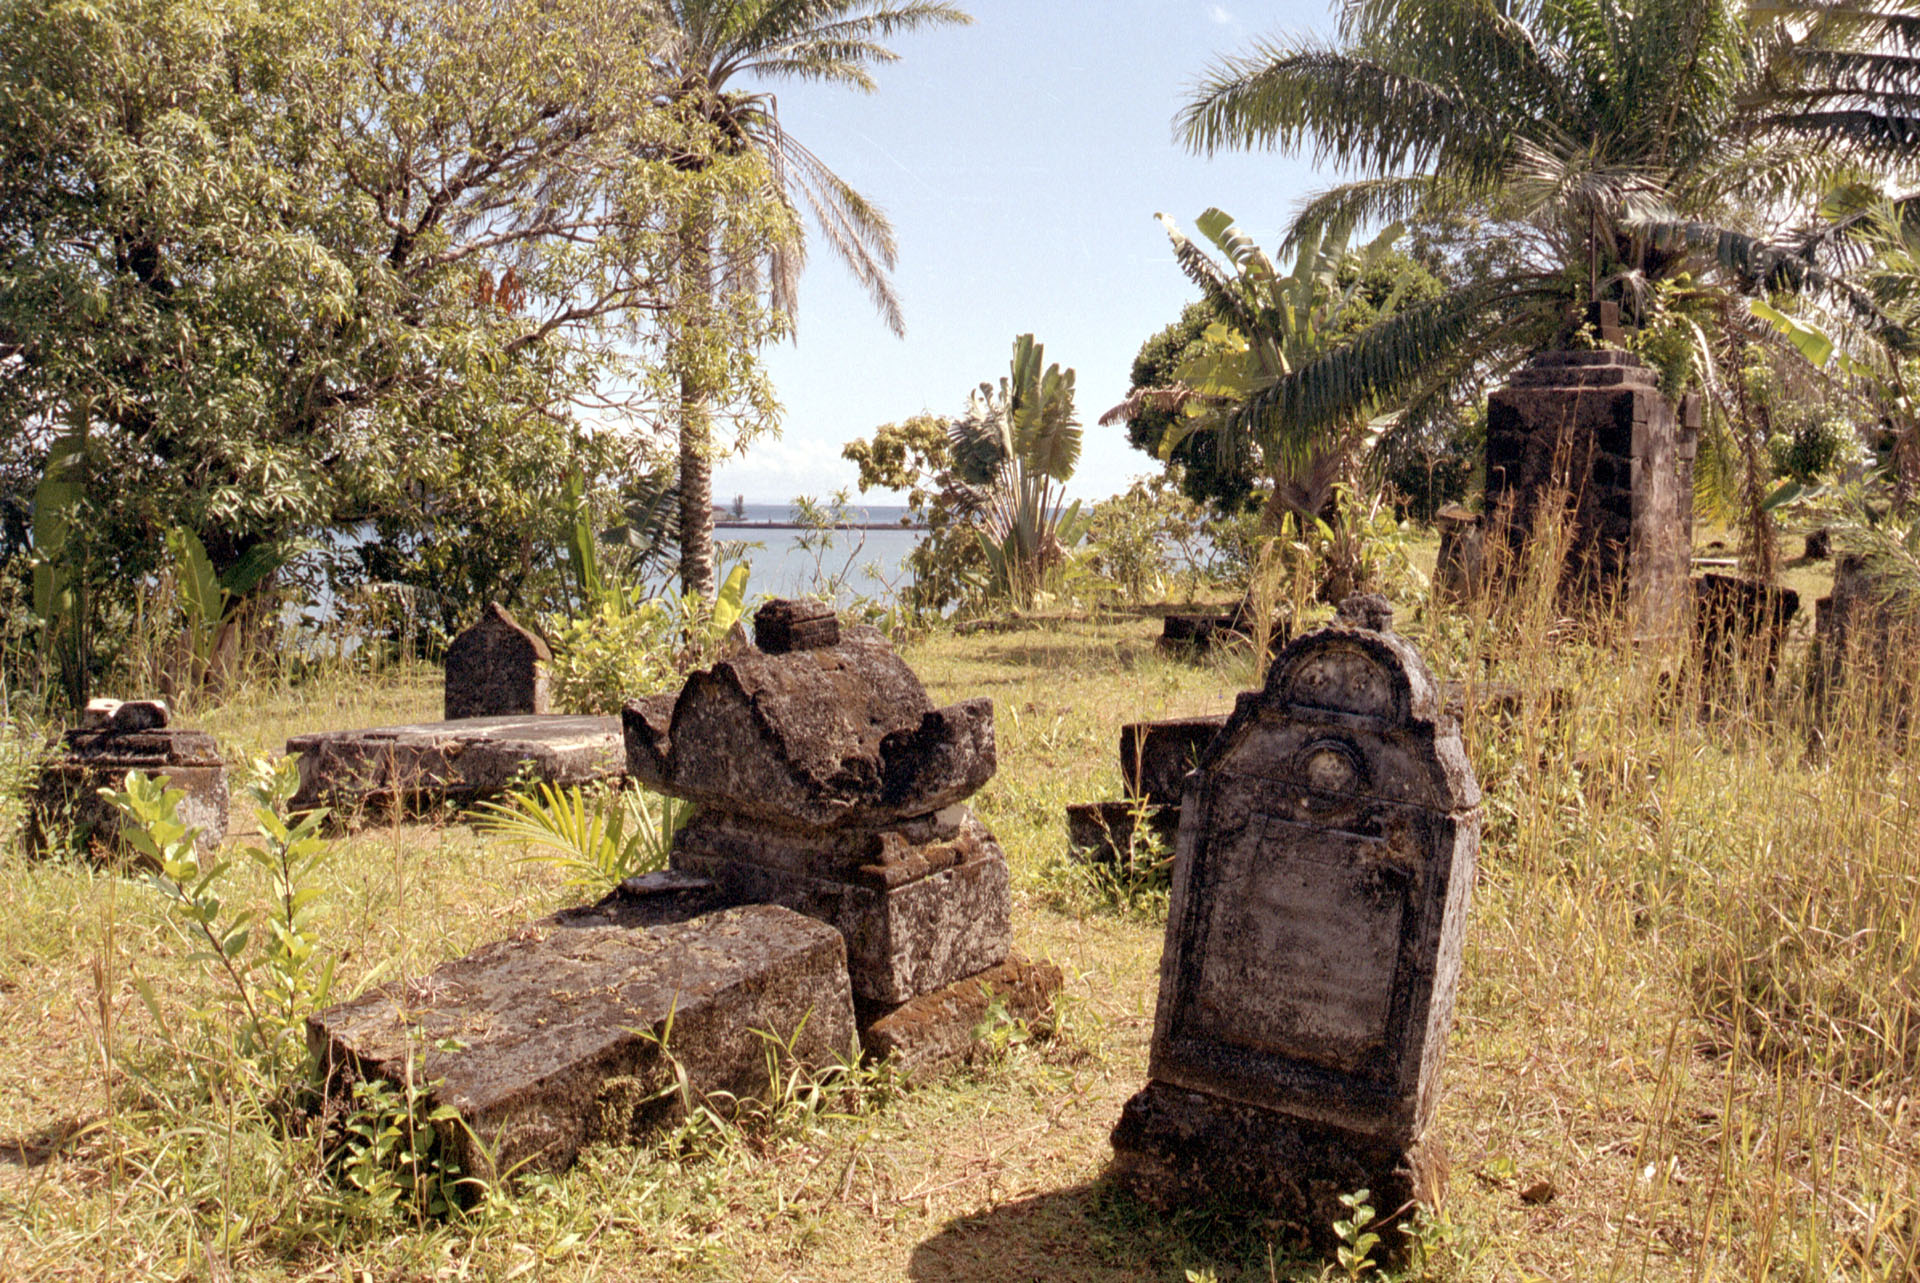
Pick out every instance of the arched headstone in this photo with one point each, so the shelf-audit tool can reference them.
(1321, 881)
(496, 669)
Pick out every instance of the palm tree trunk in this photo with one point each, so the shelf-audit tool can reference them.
(696, 413)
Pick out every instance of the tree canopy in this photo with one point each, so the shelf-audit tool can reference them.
(303, 266)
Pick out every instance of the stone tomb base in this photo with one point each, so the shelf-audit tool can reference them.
(941, 1028)
(1179, 1148)
(67, 799)
(922, 904)
(406, 770)
(549, 1040)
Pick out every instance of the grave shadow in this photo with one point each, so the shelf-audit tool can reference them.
(1095, 1231)
(37, 1149)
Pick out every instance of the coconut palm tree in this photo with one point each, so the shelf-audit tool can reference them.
(1581, 120)
(708, 51)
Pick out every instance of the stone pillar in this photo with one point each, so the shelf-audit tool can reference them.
(496, 669)
(1594, 426)
(1313, 944)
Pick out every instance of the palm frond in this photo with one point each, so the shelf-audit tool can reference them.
(1357, 113)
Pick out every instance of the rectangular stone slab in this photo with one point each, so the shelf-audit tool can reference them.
(937, 1029)
(412, 768)
(544, 1041)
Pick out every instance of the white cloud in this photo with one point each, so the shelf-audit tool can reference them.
(1218, 12)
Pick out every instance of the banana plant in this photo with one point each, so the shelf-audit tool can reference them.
(59, 565)
(1270, 324)
(209, 599)
(1019, 443)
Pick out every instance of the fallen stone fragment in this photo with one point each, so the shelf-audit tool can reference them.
(409, 769)
(940, 1028)
(551, 1040)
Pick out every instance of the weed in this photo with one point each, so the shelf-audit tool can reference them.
(595, 842)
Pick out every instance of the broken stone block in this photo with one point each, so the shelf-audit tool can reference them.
(781, 626)
(1119, 833)
(496, 669)
(1320, 889)
(939, 1028)
(836, 736)
(1460, 568)
(920, 907)
(405, 770)
(550, 1040)
(1737, 621)
(131, 736)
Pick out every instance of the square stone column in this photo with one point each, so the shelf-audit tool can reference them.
(1595, 426)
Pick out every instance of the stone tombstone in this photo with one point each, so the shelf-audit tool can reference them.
(496, 669)
(113, 738)
(1321, 881)
(828, 782)
(1594, 426)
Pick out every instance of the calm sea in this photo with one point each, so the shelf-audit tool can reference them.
(868, 562)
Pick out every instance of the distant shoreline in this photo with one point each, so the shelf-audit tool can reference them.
(795, 525)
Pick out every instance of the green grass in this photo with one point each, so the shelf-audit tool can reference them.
(1690, 1004)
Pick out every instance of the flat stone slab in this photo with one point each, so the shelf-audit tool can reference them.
(1157, 757)
(548, 1041)
(409, 769)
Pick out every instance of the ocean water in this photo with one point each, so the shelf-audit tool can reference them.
(865, 563)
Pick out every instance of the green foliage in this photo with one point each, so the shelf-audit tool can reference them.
(61, 601)
(1357, 1239)
(320, 267)
(625, 648)
(1224, 383)
(394, 1157)
(597, 841)
(268, 961)
(916, 456)
(1018, 445)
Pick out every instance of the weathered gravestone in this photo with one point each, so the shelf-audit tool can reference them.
(588, 1027)
(829, 783)
(1320, 894)
(1155, 758)
(496, 669)
(112, 739)
(1593, 428)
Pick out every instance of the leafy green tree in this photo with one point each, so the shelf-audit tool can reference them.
(1577, 120)
(915, 457)
(705, 46)
(369, 263)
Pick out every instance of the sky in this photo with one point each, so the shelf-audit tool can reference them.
(1021, 161)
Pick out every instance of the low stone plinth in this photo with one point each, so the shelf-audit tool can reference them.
(1175, 1148)
(549, 1041)
(67, 806)
(941, 1028)
(921, 905)
(406, 770)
